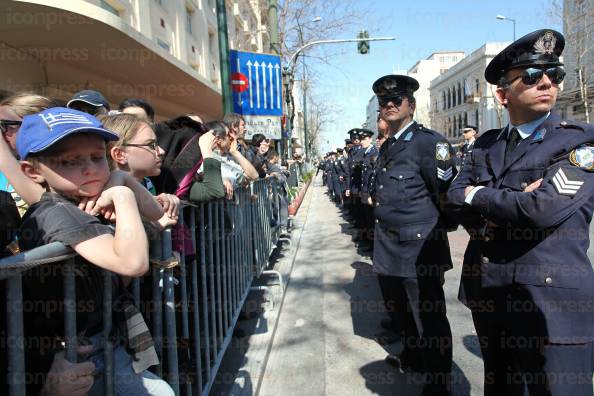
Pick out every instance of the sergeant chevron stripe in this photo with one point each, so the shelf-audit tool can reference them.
(565, 186)
(444, 175)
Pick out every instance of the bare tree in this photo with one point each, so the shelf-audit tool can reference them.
(318, 116)
(578, 25)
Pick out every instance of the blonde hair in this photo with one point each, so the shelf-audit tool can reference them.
(25, 103)
(126, 126)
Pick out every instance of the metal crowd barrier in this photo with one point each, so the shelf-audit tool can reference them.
(191, 302)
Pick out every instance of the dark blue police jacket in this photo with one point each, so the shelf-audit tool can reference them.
(527, 258)
(367, 163)
(355, 167)
(412, 176)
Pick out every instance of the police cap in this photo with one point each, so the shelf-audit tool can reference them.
(365, 133)
(540, 48)
(395, 84)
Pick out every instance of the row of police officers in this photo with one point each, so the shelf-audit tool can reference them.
(525, 195)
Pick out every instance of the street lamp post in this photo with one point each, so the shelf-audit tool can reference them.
(288, 71)
(503, 18)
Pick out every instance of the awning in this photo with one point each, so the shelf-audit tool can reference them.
(56, 51)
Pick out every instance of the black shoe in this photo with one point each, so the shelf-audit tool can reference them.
(404, 363)
(435, 390)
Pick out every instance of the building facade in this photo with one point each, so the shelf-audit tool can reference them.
(578, 57)
(462, 96)
(164, 51)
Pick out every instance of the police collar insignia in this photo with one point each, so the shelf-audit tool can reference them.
(442, 152)
(545, 45)
(408, 137)
(539, 135)
(583, 157)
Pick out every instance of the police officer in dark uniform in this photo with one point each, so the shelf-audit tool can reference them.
(354, 185)
(331, 176)
(526, 196)
(411, 250)
(341, 172)
(469, 133)
(369, 156)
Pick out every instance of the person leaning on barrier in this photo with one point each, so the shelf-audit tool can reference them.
(64, 151)
(526, 196)
(411, 249)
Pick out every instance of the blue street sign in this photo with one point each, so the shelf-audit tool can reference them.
(256, 82)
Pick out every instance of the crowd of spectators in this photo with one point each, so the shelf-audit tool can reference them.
(97, 180)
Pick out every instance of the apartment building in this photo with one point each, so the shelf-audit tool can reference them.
(165, 51)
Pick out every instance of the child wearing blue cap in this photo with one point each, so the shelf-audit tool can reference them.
(64, 151)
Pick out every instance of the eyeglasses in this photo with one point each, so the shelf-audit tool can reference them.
(152, 145)
(532, 75)
(5, 124)
(384, 100)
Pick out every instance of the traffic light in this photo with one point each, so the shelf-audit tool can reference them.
(363, 46)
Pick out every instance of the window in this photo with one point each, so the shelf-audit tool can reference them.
(465, 118)
(454, 96)
(580, 7)
(211, 43)
(189, 16)
(163, 45)
(106, 6)
(478, 87)
(443, 94)
(449, 99)
(459, 94)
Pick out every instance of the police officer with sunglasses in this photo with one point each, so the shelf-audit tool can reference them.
(526, 197)
(411, 252)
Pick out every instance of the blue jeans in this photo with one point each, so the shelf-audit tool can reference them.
(127, 382)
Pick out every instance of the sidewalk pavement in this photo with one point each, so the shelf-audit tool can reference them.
(333, 307)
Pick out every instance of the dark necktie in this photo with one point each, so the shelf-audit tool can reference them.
(512, 142)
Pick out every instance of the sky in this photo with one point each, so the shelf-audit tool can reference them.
(421, 27)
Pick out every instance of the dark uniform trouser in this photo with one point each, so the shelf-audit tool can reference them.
(513, 362)
(419, 306)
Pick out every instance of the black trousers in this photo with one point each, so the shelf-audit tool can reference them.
(418, 304)
(513, 362)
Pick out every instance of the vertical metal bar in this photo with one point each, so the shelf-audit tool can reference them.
(14, 335)
(136, 291)
(107, 325)
(184, 298)
(219, 264)
(170, 319)
(196, 307)
(70, 310)
(217, 274)
(224, 272)
(204, 292)
(157, 274)
(211, 277)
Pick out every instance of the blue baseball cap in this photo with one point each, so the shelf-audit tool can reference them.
(40, 131)
(94, 98)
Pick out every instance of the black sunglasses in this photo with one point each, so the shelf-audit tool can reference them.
(4, 124)
(532, 75)
(384, 100)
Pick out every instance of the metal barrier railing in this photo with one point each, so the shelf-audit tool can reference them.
(195, 298)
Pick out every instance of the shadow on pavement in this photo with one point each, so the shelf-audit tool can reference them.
(471, 342)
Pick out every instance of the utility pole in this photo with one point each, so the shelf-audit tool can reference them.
(224, 57)
(276, 49)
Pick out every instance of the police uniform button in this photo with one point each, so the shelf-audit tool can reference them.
(381, 186)
(563, 123)
(377, 221)
(377, 204)
(384, 169)
(400, 176)
(549, 280)
(418, 235)
(485, 259)
(524, 185)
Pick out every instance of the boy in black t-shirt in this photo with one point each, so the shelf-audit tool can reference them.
(64, 150)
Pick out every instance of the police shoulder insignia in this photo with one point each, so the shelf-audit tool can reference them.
(442, 151)
(444, 175)
(408, 137)
(583, 157)
(567, 182)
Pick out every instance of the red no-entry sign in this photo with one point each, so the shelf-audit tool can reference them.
(239, 82)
